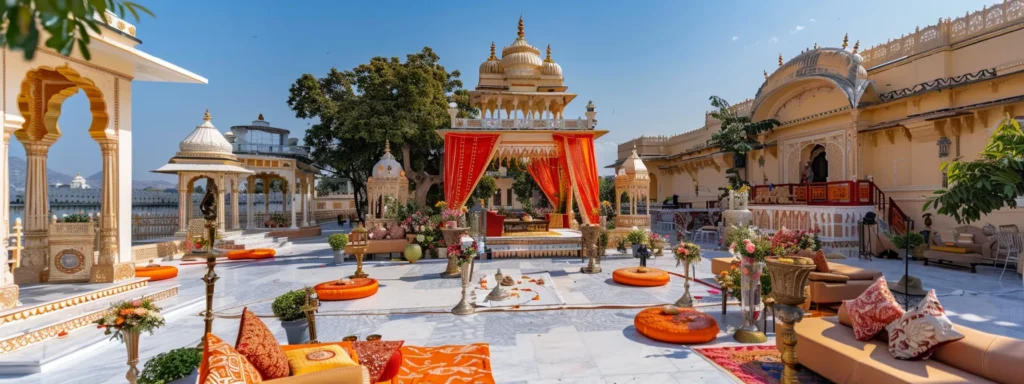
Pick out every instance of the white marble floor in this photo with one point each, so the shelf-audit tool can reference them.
(579, 341)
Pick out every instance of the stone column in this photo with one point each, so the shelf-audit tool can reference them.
(8, 290)
(221, 189)
(234, 204)
(33, 258)
(249, 201)
(303, 204)
(107, 268)
(294, 195)
(312, 202)
(183, 196)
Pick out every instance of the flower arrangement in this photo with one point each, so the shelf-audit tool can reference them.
(607, 210)
(758, 248)
(733, 280)
(464, 253)
(451, 217)
(441, 205)
(687, 252)
(740, 190)
(198, 244)
(417, 222)
(655, 239)
(130, 316)
(788, 241)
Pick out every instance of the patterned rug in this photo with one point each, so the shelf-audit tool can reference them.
(755, 364)
(446, 364)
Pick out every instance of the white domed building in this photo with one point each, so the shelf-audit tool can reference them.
(206, 154)
(386, 183)
(79, 182)
(633, 180)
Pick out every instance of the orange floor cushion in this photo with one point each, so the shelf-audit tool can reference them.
(244, 254)
(156, 272)
(690, 326)
(356, 288)
(652, 277)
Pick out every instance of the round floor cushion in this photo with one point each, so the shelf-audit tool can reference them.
(157, 272)
(652, 277)
(689, 326)
(244, 254)
(356, 288)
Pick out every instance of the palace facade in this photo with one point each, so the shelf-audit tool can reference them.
(874, 124)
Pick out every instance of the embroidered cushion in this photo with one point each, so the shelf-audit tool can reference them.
(223, 364)
(965, 238)
(259, 346)
(376, 356)
(820, 262)
(318, 358)
(872, 310)
(397, 232)
(921, 330)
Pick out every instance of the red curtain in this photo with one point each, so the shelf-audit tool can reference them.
(582, 169)
(466, 157)
(546, 173)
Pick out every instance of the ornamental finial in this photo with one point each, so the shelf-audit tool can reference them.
(856, 46)
(548, 59)
(521, 29)
(815, 45)
(765, 75)
(206, 117)
(260, 118)
(492, 53)
(387, 146)
(846, 40)
(780, 59)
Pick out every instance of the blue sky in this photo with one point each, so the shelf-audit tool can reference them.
(649, 69)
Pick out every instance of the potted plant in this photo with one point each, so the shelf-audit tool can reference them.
(338, 241)
(902, 242)
(178, 366)
(636, 238)
(125, 321)
(602, 243)
(288, 309)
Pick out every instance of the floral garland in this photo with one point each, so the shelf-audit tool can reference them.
(130, 316)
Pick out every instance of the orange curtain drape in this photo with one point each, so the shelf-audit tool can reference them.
(582, 170)
(466, 157)
(547, 173)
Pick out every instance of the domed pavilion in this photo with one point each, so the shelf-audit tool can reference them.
(387, 183)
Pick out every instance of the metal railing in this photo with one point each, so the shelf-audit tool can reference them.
(272, 149)
(145, 227)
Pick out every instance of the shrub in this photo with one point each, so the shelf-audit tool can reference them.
(901, 241)
(288, 307)
(337, 241)
(170, 366)
(602, 243)
(636, 237)
(75, 218)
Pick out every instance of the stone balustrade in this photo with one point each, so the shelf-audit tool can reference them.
(522, 124)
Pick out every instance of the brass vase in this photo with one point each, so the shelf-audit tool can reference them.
(788, 281)
(686, 301)
(131, 342)
(452, 236)
(464, 307)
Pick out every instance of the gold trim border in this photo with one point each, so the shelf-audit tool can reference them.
(23, 340)
(42, 309)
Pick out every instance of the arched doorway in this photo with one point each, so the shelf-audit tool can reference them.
(819, 164)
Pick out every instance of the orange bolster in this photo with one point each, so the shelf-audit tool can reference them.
(157, 273)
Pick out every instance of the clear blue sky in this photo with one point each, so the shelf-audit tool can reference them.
(648, 66)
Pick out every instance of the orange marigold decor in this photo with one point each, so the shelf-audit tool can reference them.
(346, 289)
(651, 277)
(681, 326)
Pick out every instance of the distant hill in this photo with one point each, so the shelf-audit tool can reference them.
(17, 167)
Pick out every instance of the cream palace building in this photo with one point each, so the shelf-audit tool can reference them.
(890, 114)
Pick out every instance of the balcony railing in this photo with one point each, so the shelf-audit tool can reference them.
(860, 192)
(521, 124)
(293, 150)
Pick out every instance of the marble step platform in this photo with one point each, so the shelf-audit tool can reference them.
(43, 299)
(27, 344)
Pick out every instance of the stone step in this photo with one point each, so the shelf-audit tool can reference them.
(39, 300)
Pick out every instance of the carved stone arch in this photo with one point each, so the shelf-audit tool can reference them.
(838, 67)
(65, 82)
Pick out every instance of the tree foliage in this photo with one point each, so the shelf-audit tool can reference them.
(606, 186)
(385, 99)
(523, 185)
(66, 22)
(484, 190)
(738, 134)
(987, 184)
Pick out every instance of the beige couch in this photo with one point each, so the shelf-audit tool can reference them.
(843, 283)
(826, 345)
(981, 251)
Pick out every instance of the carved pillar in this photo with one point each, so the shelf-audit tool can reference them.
(234, 204)
(312, 201)
(852, 148)
(33, 259)
(107, 268)
(8, 290)
(294, 190)
(221, 190)
(250, 184)
(182, 204)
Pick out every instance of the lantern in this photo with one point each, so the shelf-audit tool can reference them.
(478, 224)
(943, 144)
(359, 240)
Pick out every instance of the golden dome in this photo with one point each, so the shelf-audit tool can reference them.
(492, 66)
(550, 67)
(521, 60)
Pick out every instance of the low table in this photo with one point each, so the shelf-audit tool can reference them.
(526, 226)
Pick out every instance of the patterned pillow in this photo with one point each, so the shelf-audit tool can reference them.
(318, 358)
(222, 364)
(921, 331)
(259, 346)
(397, 232)
(375, 356)
(872, 310)
(821, 262)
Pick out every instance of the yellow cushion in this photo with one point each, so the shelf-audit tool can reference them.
(318, 358)
(949, 249)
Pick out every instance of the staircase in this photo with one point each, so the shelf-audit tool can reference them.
(252, 241)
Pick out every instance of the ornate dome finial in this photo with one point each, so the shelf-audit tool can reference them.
(766, 75)
(815, 45)
(780, 59)
(856, 46)
(493, 57)
(260, 118)
(387, 146)
(206, 117)
(548, 59)
(846, 40)
(522, 31)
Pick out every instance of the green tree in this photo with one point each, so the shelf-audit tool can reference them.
(484, 190)
(606, 186)
(523, 185)
(991, 182)
(385, 99)
(66, 22)
(738, 134)
(328, 185)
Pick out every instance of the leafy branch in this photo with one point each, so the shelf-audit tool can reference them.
(67, 22)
